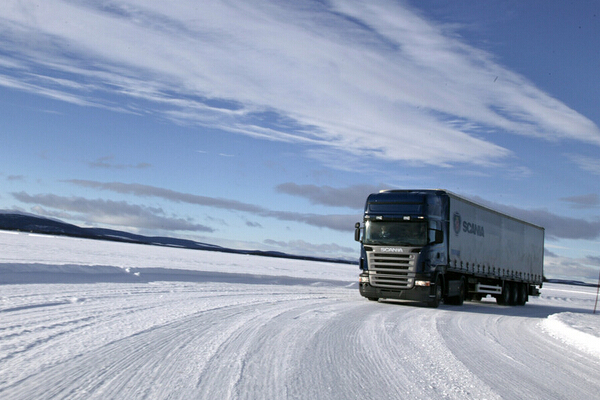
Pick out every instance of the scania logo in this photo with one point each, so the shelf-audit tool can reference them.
(457, 220)
(468, 227)
(391, 250)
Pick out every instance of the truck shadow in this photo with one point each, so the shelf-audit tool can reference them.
(490, 307)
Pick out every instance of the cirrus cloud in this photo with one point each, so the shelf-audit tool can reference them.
(372, 79)
(115, 213)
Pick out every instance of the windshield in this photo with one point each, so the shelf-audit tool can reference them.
(396, 233)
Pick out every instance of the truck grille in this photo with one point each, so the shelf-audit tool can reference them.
(392, 270)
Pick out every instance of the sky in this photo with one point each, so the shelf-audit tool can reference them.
(265, 124)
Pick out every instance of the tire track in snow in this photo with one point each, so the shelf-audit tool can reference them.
(170, 360)
(511, 349)
(257, 358)
(402, 355)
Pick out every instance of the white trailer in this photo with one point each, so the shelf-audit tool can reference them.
(493, 249)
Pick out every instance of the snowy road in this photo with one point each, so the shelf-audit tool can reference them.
(93, 320)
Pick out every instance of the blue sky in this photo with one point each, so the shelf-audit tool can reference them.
(265, 124)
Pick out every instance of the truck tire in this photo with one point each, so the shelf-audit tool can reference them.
(373, 298)
(438, 290)
(514, 294)
(522, 296)
(463, 291)
(504, 298)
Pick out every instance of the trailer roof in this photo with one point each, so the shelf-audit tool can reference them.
(423, 192)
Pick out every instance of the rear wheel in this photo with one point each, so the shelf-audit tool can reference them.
(463, 291)
(522, 295)
(514, 294)
(504, 298)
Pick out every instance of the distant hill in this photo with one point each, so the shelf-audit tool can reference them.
(570, 282)
(13, 221)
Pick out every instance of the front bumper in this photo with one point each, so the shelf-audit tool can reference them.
(417, 293)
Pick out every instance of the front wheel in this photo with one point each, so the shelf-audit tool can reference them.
(435, 301)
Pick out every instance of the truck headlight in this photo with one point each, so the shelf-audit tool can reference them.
(363, 279)
(422, 283)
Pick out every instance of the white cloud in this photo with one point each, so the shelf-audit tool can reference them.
(116, 213)
(560, 267)
(590, 164)
(367, 78)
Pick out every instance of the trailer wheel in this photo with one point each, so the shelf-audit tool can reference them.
(522, 296)
(514, 294)
(435, 302)
(504, 298)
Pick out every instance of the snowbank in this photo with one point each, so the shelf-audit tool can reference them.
(578, 330)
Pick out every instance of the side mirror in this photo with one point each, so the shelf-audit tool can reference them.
(357, 232)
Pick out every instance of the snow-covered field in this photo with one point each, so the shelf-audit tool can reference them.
(82, 319)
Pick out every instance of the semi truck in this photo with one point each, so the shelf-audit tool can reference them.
(433, 245)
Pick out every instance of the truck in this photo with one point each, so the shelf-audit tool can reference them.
(433, 245)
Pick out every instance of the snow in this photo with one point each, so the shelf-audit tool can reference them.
(83, 319)
(581, 331)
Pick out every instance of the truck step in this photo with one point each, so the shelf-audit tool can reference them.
(489, 289)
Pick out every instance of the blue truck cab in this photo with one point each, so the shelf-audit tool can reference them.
(402, 245)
